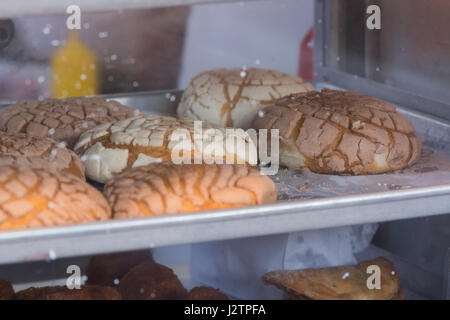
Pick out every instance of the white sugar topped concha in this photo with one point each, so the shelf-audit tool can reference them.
(110, 148)
(232, 97)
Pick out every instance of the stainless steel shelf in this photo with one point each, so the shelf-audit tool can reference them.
(328, 201)
(51, 243)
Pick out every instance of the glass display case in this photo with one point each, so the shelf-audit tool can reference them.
(143, 55)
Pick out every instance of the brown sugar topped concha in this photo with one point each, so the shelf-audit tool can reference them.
(22, 150)
(340, 132)
(39, 197)
(60, 119)
(159, 189)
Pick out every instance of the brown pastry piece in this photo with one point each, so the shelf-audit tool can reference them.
(87, 292)
(60, 119)
(159, 189)
(6, 290)
(338, 283)
(206, 293)
(39, 197)
(111, 148)
(108, 269)
(22, 150)
(151, 281)
(338, 132)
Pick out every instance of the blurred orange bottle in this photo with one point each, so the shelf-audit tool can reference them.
(74, 69)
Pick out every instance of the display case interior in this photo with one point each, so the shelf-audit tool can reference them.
(143, 56)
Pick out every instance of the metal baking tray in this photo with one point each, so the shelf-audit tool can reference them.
(306, 201)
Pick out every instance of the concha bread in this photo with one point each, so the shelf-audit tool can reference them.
(232, 97)
(38, 197)
(60, 119)
(159, 189)
(109, 149)
(338, 132)
(25, 151)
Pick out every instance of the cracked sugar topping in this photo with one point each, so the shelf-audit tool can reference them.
(31, 197)
(60, 119)
(110, 148)
(26, 151)
(339, 132)
(168, 189)
(232, 97)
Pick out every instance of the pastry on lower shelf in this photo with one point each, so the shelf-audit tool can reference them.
(22, 150)
(40, 197)
(60, 119)
(206, 293)
(87, 292)
(166, 188)
(340, 283)
(109, 269)
(151, 281)
(6, 290)
(340, 132)
(232, 97)
(109, 149)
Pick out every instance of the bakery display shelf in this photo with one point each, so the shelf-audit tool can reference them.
(53, 273)
(307, 201)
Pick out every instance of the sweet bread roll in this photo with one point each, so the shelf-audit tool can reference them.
(109, 149)
(337, 132)
(166, 188)
(232, 97)
(339, 283)
(87, 292)
(6, 290)
(108, 269)
(151, 281)
(25, 151)
(39, 197)
(60, 119)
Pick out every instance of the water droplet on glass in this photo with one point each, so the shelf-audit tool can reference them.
(83, 77)
(135, 84)
(46, 29)
(86, 25)
(52, 254)
(103, 34)
(114, 57)
(55, 43)
(62, 144)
